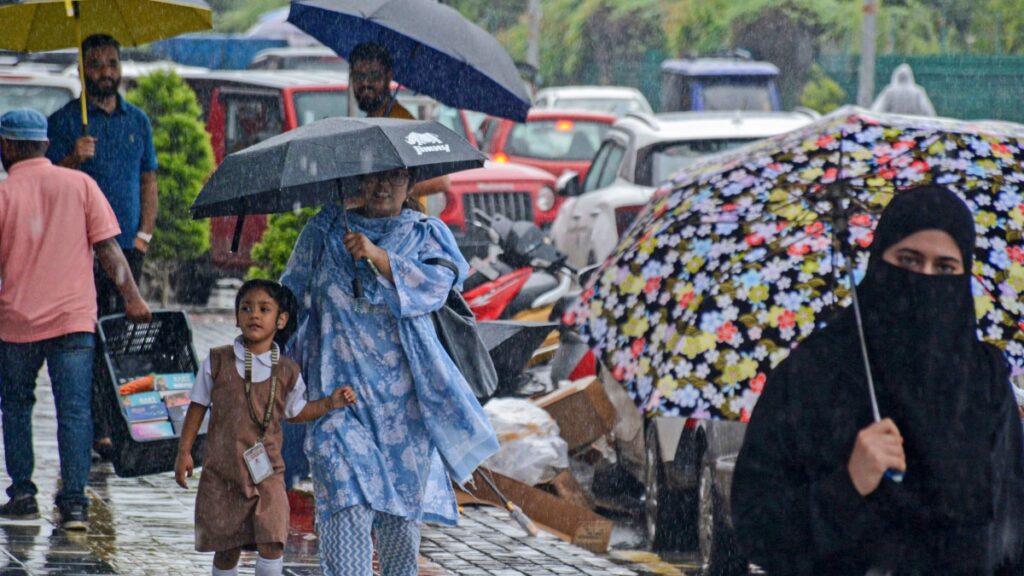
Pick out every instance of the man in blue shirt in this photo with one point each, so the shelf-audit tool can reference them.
(117, 151)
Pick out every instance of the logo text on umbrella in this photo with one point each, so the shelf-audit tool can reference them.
(426, 142)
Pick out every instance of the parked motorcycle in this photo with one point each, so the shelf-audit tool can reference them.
(522, 277)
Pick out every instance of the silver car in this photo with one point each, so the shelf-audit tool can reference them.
(639, 153)
(617, 100)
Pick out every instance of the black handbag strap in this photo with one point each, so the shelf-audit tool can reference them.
(444, 262)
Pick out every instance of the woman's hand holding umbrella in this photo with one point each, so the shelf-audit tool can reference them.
(878, 449)
(362, 249)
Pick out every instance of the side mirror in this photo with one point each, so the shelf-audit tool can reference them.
(569, 184)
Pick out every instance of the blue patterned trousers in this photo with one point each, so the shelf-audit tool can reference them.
(346, 547)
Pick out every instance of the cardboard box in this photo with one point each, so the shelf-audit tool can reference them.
(571, 523)
(582, 409)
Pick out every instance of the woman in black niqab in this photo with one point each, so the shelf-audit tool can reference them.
(796, 507)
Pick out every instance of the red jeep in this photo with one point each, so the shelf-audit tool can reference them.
(552, 140)
(246, 107)
(516, 191)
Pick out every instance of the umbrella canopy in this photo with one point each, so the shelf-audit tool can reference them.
(41, 25)
(434, 50)
(310, 165)
(732, 264)
(511, 344)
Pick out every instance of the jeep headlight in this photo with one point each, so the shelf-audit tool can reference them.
(545, 199)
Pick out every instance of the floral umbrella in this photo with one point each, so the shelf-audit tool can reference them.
(733, 263)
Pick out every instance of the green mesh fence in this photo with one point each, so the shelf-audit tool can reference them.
(959, 85)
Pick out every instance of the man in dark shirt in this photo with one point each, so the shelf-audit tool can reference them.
(117, 151)
(370, 76)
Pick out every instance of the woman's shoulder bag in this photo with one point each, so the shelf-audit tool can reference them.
(457, 331)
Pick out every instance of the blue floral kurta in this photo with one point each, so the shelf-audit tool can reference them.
(416, 420)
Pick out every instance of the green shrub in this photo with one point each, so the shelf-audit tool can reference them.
(822, 93)
(185, 159)
(270, 254)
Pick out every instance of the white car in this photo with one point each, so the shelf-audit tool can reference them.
(636, 155)
(312, 58)
(26, 88)
(617, 100)
(44, 92)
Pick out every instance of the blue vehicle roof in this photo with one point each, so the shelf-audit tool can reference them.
(719, 67)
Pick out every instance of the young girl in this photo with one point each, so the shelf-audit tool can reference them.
(250, 387)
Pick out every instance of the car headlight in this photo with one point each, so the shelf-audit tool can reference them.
(545, 199)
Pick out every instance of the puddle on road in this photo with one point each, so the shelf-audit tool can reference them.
(629, 549)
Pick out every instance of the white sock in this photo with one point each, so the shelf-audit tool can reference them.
(266, 567)
(228, 572)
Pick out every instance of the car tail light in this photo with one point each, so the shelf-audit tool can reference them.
(500, 157)
(624, 216)
(564, 125)
(545, 199)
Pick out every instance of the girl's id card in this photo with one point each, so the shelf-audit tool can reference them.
(258, 462)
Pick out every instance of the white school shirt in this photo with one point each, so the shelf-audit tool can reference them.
(293, 404)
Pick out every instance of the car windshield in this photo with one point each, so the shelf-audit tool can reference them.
(46, 99)
(616, 106)
(556, 139)
(664, 160)
(736, 96)
(311, 106)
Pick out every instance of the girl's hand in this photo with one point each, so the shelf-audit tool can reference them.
(343, 396)
(361, 247)
(182, 468)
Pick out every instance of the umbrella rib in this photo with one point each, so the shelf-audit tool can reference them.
(32, 27)
(120, 11)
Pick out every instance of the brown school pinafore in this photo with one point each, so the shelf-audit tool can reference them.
(231, 511)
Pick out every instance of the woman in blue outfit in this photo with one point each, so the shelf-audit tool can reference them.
(384, 465)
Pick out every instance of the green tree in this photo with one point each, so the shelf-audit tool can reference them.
(822, 93)
(271, 253)
(240, 16)
(185, 158)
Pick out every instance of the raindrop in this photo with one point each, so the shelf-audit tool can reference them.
(303, 163)
(35, 229)
(312, 168)
(366, 160)
(297, 207)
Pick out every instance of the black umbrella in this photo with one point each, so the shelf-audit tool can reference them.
(322, 161)
(511, 344)
(434, 49)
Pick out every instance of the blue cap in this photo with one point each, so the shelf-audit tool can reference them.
(23, 124)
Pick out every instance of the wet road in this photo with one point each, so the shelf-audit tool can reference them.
(143, 526)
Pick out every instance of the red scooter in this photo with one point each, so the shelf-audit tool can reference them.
(523, 275)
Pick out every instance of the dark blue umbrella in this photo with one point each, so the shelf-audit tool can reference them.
(434, 50)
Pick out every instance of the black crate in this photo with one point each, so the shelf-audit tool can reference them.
(161, 346)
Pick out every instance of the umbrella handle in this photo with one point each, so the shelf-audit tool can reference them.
(357, 288)
(372, 266)
(894, 475)
(73, 12)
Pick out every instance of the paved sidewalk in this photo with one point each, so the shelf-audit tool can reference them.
(143, 526)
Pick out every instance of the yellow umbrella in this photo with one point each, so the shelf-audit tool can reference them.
(41, 25)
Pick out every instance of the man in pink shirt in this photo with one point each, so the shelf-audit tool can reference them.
(51, 221)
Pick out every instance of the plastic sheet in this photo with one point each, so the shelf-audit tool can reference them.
(531, 449)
